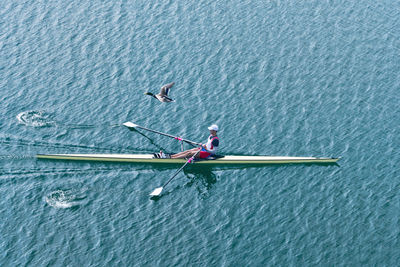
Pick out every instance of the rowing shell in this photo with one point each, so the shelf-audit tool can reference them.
(148, 158)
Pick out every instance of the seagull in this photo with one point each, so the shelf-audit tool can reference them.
(163, 95)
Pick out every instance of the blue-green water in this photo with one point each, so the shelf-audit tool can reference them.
(297, 78)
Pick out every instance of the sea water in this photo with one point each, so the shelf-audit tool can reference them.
(287, 78)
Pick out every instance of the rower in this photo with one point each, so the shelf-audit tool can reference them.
(207, 150)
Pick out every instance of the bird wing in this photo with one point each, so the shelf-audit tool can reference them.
(165, 89)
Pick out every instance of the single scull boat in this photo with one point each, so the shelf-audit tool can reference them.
(148, 158)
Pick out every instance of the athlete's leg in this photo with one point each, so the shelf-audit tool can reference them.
(185, 154)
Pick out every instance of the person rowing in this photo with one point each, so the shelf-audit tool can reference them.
(206, 150)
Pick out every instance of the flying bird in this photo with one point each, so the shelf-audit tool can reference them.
(163, 95)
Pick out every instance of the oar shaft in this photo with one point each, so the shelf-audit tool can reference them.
(181, 168)
(132, 125)
(157, 191)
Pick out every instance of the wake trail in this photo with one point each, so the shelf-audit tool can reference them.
(29, 172)
(40, 118)
(53, 145)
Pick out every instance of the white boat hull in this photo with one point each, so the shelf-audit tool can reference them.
(148, 158)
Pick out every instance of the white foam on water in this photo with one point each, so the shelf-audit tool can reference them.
(61, 199)
(34, 118)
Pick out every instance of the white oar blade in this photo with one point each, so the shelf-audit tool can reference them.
(156, 192)
(130, 124)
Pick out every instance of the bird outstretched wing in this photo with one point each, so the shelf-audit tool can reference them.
(165, 89)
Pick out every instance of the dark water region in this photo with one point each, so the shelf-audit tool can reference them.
(287, 78)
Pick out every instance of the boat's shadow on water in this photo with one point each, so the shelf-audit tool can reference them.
(203, 177)
(200, 177)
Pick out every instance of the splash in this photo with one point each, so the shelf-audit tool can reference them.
(64, 199)
(35, 118)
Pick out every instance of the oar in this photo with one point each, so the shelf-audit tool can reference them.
(158, 190)
(132, 125)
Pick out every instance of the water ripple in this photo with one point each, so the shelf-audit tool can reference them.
(35, 118)
(63, 199)
(292, 78)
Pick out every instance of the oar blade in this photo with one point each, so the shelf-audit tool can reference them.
(130, 124)
(156, 192)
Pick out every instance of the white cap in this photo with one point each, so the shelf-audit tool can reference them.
(213, 127)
